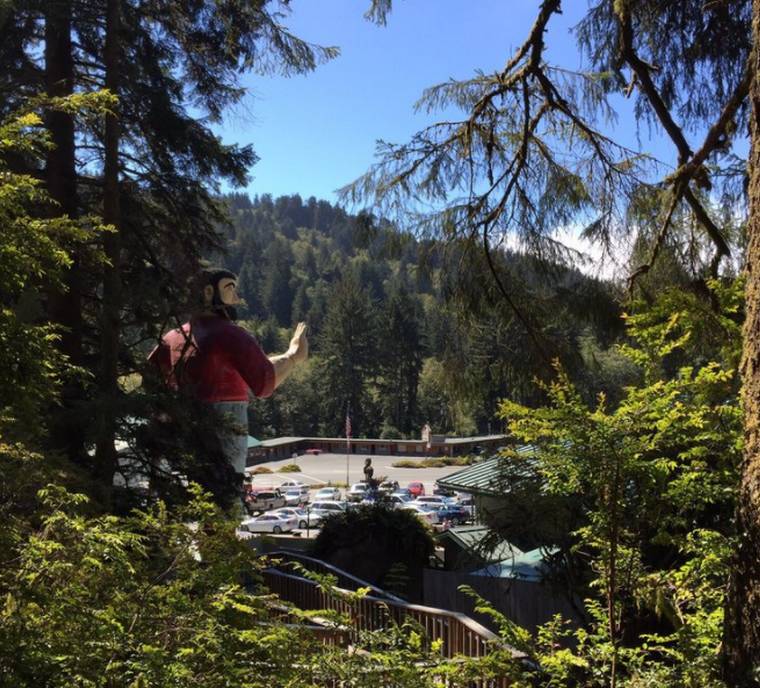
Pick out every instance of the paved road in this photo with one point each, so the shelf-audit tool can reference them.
(324, 468)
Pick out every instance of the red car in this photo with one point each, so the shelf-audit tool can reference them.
(314, 451)
(416, 488)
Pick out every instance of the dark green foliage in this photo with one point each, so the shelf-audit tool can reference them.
(31, 257)
(349, 345)
(372, 541)
(645, 495)
(174, 73)
(401, 354)
(700, 55)
(276, 295)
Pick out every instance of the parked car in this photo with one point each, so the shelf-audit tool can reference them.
(357, 492)
(416, 488)
(327, 493)
(295, 497)
(264, 500)
(436, 500)
(304, 519)
(398, 500)
(322, 509)
(388, 486)
(424, 512)
(452, 513)
(467, 502)
(313, 450)
(293, 484)
(403, 492)
(443, 491)
(269, 523)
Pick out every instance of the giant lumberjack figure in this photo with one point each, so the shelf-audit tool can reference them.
(221, 364)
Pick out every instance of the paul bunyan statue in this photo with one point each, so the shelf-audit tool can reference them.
(222, 365)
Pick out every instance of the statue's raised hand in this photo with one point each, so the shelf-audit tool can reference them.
(299, 344)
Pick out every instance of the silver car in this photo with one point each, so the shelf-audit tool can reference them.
(327, 493)
(322, 509)
(425, 512)
(295, 497)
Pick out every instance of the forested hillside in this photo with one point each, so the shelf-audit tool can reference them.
(407, 331)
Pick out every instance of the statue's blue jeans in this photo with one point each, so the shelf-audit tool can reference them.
(232, 432)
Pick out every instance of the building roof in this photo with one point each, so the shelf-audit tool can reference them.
(253, 442)
(471, 539)
(484, 477)
(524, 566)
(471, 440)
(280, 441)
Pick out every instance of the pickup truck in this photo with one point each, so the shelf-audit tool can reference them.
(264, 500)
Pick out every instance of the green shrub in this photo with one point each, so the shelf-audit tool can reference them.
(261, 469)
(434, 463)
(290, 468)
(466, 460)
(373, 542)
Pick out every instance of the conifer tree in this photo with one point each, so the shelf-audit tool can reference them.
(531, 150)
(348, 361)
(276, 292)
(401, 359)
(151, 166)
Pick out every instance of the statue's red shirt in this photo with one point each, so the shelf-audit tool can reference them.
(219, 360)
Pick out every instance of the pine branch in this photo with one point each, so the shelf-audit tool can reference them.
(690, 164)
(659, 240)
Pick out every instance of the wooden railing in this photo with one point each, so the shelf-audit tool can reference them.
(459, 635)
(344, 579)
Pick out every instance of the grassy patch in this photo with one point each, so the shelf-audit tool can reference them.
(290, 468)
(261, 469)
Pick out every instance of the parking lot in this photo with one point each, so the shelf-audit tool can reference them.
(327, 468)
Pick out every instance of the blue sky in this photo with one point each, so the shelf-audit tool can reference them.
(317, 132)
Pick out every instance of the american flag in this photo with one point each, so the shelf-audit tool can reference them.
(348, 424)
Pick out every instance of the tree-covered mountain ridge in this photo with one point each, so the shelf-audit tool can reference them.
(400, 330)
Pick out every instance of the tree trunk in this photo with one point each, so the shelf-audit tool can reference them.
(64, 307)
(742, 626)
(106, 457)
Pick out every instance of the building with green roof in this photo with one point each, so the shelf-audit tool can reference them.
(510, 498)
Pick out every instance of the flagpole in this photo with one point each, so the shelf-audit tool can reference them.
(348, 442)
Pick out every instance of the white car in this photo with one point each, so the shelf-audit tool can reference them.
(294, 485)
(295, 497)
(357, 492)
(327, 494)
(424, 512)
(269, 523)
(304, 519)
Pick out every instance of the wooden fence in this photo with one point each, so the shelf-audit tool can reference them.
(527, 603)
(458, 634)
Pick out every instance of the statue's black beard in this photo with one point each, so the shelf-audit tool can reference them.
(222, 310)
(229, 312)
